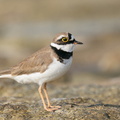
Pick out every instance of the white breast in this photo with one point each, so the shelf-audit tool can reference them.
(54, 71)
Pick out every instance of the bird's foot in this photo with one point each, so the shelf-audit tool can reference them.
(51, 108)
(54, 106)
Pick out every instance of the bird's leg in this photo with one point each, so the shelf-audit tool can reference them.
(42, 97)
(47, 98)
(43, 101)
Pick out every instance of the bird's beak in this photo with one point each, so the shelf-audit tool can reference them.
(77, 42)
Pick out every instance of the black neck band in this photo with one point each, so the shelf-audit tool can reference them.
(62, 54)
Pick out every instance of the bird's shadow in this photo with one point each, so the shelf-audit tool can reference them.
(78, 102)
(93, 105)
(105, 105)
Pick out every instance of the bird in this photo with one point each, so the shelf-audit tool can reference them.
(45, 65)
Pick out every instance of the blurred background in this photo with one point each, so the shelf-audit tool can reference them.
(28, 25)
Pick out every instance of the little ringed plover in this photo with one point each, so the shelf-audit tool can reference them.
(45, 65)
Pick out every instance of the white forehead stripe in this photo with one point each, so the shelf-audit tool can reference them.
(59, 37)
(72, 37)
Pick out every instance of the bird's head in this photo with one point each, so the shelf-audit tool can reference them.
(65, 41)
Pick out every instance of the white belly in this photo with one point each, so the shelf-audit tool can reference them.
(54, 71)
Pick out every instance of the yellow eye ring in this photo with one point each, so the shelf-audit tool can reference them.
(64, 39)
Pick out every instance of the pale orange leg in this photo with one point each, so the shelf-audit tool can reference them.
(47, 98)
(41, 95)
(43, 101)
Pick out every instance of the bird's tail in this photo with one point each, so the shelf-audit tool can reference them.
(5, 74)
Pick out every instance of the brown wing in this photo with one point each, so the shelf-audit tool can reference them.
(38, 62)
(4, 72)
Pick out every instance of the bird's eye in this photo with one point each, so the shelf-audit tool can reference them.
(64, 39)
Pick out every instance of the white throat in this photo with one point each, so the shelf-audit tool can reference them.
(67, 47)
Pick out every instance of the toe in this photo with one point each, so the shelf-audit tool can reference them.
(54, 106)
(51, 109)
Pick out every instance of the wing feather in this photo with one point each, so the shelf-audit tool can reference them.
(38, 62)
